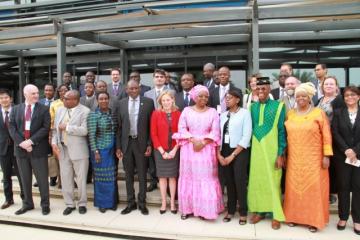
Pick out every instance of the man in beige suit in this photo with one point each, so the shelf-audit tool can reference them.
(70, 140)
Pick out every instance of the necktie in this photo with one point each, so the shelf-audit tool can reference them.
(133, 123)
(7, 119)
(27, 122)
(186, 101)
(222, 99)
(115, 89)
(66, 121)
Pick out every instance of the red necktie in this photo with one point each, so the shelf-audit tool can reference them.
(27, 119)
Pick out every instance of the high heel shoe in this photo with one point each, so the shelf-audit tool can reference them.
(340, 227)
(184, 216)
(356, 231)
(174, 211)
(162, 211)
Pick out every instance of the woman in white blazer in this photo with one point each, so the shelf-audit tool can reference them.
(233, 153)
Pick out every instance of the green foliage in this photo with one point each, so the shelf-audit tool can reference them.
(303, 76)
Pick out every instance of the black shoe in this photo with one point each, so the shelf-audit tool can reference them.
(184, 216)
(45, 210)
(144, 210)
(53, 181)
(162, 211)
(151, 187)
(35, 184)
(7, 204)
(114, 208)
(174, 211)
(332, 199)
(68, 210)
(102, 210)
(82, 210)
(128, 209)
(23, 210)
(356, 231)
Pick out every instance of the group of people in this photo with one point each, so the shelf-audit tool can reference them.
(198, 143)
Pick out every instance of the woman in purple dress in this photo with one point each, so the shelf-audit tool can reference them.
(199, 191)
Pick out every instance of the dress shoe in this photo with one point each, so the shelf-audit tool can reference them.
(184, 216)
(357, 231)
(7, 204)
(275, 225)
(144, 210)
(151, 187)
(256, 218)
(45, 210)
(68, 210)
(332, 198)
(82, 210)
(35, 184)
(23, 210)
(102, 210)
(128, 209)
(53, 181)
(227, 218)
(312, 229)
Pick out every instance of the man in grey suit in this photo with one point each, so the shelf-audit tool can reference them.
(133, 143)
(159, 79)
(29, 129)
(70, 140)
(208, 71)
(115, 88)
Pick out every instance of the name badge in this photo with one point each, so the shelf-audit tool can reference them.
(27, 125)
(227, 139)
(218, 109)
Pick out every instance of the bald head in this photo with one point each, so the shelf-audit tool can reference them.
(224, 75)
(31, 94)
(208, 71)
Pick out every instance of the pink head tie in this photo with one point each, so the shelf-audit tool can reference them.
(195, 91)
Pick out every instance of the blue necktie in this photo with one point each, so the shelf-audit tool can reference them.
(186, 101)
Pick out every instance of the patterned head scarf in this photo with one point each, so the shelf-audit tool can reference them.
(307, 88)
(195, 91)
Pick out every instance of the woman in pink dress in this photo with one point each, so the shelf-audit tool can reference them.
(199, 191)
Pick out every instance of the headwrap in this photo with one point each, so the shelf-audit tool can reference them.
(195, 91)
(307, 88)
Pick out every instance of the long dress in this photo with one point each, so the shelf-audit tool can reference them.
(307, 183)
(101, 131)
(268, 142)
(199, 190)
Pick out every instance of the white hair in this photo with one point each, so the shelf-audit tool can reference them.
(209, 65)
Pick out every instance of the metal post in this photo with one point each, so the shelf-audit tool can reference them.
(60, 51)
(124, 65)
(21, 78)
(253, 57)
(50, 80)
(347, 77)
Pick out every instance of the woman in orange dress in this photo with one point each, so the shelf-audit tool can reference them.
(309, 147)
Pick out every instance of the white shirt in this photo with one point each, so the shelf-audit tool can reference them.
(137, 107)
(223, 90)
(282, 90)
(4, 114)
(185, 92)
(319, 91)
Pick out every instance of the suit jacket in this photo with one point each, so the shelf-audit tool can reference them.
(121, 116)
(152, 94)
(110, 89)
(275, 93)
(43, 101)
(180, 102)
(90, 103)
(212, 85)
(76, 132)
(214, 99)
(344, 134)
(39, 129)
(5, 138)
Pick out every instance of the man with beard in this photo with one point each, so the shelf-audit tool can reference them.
(289, 99)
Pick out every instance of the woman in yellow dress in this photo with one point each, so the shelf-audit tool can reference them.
(309, 147)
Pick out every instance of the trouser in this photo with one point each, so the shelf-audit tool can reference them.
(39, 165)
(8, 164)
(68, 168)
(131, 157)
(348, 180)
(152, 169)
(236, 178)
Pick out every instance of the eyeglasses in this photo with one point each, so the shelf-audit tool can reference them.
(350, 95)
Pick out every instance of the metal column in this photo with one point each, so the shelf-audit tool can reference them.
(60, 51)
(124, 65)
(253, 57)
(22, 80)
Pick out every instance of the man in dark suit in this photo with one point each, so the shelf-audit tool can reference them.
(68, 81)
(135, 75)
(320, 72)
(115, 88)
(29, 128)
(89, 77)
(49, 92)
(208, 71)
(183, 99)
(133, 142)
(217, 95)
(168, 83)
(286, 71)
(7, 158)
